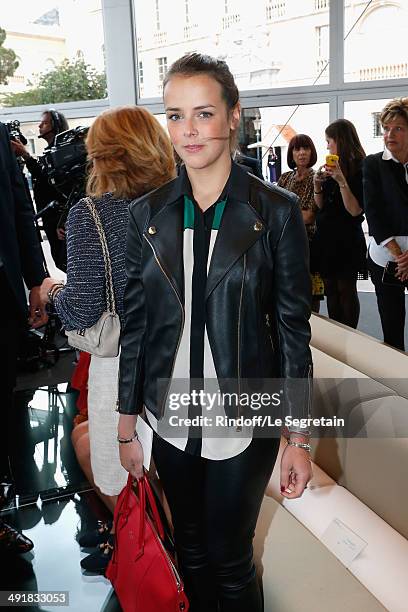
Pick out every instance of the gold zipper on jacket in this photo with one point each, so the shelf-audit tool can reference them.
(239, 340)
(182, 320)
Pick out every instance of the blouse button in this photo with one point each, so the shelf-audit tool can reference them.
(258, 226)
(152, 230)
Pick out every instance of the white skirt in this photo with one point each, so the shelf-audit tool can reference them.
(109, 475)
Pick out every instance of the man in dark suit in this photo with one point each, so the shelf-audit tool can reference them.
(20, 258)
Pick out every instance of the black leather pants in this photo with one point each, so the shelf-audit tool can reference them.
(215, 507)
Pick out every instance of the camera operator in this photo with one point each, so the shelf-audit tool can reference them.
(52, 123)
(20, 258)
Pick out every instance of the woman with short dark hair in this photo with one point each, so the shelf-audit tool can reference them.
(339, 248)
(299, 180)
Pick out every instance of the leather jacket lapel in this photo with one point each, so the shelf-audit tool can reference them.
(165, 235)
(240, 228)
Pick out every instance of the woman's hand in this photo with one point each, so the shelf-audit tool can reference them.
(45, 287)
(61, 235)
(319, 177)
(296, 471)
(38, 315)
(336, 173)
(309, 216)
(19, 149)
(402, 268)
(350, 202)
(131, 458)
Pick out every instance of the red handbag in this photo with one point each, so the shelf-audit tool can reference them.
(141, 570)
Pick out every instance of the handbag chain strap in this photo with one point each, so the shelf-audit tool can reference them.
(110, 295)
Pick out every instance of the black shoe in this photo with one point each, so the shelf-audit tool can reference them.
(13, 541)
(97, 562)
(90, 539)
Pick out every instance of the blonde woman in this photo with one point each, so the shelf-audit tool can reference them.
(385, 180)
(130, 154)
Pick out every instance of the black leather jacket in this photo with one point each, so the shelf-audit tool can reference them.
(258, 290)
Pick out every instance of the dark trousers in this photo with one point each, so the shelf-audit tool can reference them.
(10, 326)
(391, 306)
(215, 507)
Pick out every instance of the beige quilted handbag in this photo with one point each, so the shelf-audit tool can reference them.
(102, 339)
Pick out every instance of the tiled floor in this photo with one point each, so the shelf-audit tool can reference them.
(53, 502)
(53, 565)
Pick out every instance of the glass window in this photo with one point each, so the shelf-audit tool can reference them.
(59, 49)
(141, 77)
(31, 145)
(270, 129)
(266, 43)
(377, 129)
(157, 8)
(274, 10)
(376, 48)
(322, 50)
(162, 71)
(365, 114)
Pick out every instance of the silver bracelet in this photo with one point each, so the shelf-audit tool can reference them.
(300, 445)
(128, 440)
(56, 292)
(53, 290)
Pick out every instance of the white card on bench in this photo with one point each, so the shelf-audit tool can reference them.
(342, 541)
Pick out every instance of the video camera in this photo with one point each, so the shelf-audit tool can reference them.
(65, 163)
(13, 128)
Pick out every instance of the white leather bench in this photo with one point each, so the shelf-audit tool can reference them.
(359, 481)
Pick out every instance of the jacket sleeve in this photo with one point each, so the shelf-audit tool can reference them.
(292, 311)
(375, 206)
(81, 303)
(34, 168)
(32, 263)
(131, 370)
